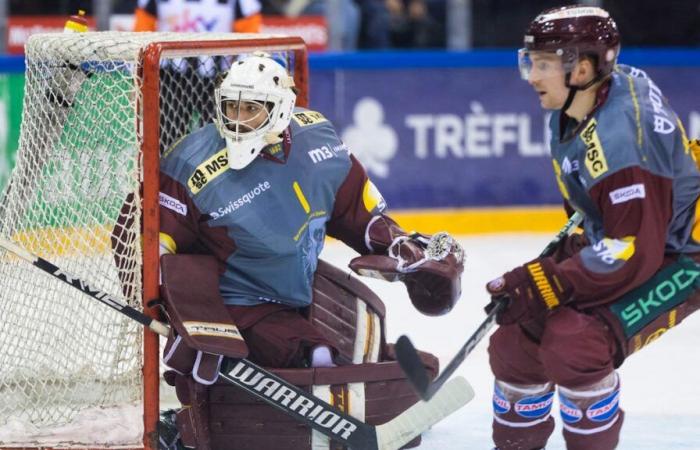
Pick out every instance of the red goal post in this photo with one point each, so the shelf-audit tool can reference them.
(99, 110)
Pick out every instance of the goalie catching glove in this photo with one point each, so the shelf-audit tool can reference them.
(530, 290)
(429, 266)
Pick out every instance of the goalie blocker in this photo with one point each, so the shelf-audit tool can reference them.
(369, 384)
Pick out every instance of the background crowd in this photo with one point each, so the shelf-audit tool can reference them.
(382, 24)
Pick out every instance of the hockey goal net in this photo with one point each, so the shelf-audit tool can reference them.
(99, 109)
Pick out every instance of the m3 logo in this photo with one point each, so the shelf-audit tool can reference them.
(325, 152)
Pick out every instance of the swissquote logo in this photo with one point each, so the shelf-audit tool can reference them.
(372, 141)
(305, 405)
(245, 199)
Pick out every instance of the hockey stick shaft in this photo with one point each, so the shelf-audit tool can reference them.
(411, 363)
(275, 391)
(103, 297)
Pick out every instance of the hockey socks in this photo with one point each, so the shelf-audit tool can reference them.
(591, 415)
(522, 415)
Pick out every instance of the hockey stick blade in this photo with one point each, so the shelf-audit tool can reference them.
(423, 415)
(413, 366)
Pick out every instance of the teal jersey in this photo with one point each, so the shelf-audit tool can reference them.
(268, 221)
(628, 168)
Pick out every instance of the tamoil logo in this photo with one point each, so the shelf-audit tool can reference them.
(533, 407)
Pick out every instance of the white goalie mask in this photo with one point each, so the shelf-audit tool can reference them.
(254, 106)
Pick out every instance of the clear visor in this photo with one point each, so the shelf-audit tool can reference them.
(245, 115)
(540, 65)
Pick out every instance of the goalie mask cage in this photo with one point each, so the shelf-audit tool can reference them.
(99, 109)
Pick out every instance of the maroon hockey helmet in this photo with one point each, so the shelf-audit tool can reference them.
(575, 31)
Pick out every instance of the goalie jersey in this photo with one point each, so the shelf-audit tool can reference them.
(266, 223)
(629, 169)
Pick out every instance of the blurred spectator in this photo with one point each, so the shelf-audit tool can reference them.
(342, 17)
(656, 23)
(501, 23)
(242, 16)
(375, 24)
(413, 23)
(44, 8)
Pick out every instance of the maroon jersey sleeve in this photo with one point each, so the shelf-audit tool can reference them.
(356, 202)
(636, 208)
(179, 217)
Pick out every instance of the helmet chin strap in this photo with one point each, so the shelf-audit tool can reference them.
(574, 89)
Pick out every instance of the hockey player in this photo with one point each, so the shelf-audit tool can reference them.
(621, 158)
(260, 189)
(190, 16)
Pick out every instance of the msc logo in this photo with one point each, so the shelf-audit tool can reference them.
(208, 170)
(595, 158)
(306, 118)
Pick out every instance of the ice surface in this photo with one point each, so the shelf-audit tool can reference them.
(660, 385)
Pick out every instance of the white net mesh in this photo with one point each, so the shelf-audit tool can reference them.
(74, 199)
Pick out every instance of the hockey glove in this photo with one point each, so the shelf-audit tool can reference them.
(429, 266)
(531, 290)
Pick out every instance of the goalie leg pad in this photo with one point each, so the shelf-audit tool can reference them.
(348, 314)
(193, 418)
(282, 339)
(195, 307)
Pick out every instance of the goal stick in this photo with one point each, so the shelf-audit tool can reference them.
(283, 395)
(411, 363)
